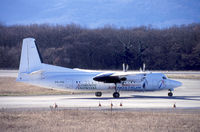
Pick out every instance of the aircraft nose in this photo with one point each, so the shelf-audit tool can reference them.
(175, 83)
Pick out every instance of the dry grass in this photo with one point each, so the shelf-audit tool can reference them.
(8, 86)
(98, 121)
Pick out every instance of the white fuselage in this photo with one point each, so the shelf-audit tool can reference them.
(83, 81)
(33, 71)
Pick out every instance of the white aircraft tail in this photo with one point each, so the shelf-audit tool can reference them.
(30, 60)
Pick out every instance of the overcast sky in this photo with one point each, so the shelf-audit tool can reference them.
(97, 13)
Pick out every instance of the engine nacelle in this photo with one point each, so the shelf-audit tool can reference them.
(135, 78)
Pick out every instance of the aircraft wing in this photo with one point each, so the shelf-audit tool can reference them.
(119, 77)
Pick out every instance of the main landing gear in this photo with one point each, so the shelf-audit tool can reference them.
(116, 94)
(170, 94)
(98, 94)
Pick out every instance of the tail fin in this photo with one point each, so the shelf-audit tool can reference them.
(30, 59)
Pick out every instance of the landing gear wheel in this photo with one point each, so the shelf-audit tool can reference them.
(98, 94)
(116, 95)
(170, 94)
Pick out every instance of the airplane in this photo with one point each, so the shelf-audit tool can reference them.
(33, 71)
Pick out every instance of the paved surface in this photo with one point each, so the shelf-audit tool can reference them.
(8, 73)
(186, 96)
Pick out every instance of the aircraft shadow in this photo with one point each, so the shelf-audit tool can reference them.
(166, 97)
(104, 98)
(194, 98)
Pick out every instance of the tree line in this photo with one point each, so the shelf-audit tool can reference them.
(73, 46)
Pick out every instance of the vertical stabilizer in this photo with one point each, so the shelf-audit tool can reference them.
(30, 60)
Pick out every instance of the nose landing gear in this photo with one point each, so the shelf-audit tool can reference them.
(170, 94)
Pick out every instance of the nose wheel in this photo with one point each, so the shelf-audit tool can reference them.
(170, 94)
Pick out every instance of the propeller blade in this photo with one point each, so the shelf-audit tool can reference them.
(126, 67)
(123, 66)
(143, 67)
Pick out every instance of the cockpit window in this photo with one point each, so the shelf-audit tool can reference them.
(164, 77)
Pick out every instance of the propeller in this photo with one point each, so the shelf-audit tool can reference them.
(143, 68)
(125, 67)
(145, 83)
